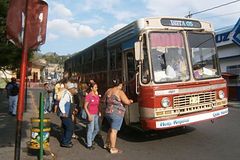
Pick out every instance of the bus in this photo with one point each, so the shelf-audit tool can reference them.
(169, 67)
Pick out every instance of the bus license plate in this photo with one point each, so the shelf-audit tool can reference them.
(194, 100)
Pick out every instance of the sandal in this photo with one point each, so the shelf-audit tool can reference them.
(115, 151)
(106, 146)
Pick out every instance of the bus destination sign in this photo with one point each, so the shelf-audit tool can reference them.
(180, 23)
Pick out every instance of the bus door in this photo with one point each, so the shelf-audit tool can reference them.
(129, 77)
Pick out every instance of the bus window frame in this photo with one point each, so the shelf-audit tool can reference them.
(145, 36)
(133, 72)
(191, 58)
(185, 41)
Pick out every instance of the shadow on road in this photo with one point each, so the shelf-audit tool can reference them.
(134, 135)
(79, 131)
(55, 131)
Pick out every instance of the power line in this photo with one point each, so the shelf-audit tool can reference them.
(222, 15)
(225, 4)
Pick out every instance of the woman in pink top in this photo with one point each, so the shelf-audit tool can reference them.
(91, 107)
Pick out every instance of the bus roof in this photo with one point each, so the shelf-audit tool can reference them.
(130, 31)
(161, 23)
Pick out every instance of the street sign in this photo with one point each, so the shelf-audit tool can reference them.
(15, 21)
(37, 23)
(37, 11)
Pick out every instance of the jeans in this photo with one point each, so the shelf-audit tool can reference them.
(48, 103)
(92, 130)
(68, 128)
(12, 101)
(50, 99)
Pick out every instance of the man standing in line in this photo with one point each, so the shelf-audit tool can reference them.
(12, 92)
(65, 112)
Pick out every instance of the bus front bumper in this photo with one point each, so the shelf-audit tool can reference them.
(160, 124)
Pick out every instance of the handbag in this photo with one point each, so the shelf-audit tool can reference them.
(83, 114)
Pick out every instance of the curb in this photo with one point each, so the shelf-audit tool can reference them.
(236, 105)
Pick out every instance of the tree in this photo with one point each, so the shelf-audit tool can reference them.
(10, 54)
(55, 58)
(3, 15)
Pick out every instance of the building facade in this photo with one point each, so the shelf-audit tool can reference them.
(228, 46)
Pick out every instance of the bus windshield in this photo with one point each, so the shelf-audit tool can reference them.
(168, 56)
(203, 54)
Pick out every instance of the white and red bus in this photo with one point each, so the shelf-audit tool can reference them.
(169, 65)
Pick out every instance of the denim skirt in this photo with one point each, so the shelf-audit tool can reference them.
(114, 120)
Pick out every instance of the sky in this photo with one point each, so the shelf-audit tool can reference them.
(74, 25)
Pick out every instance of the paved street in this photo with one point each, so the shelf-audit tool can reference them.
(206, 141)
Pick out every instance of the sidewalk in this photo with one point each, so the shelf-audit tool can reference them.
(8, 129)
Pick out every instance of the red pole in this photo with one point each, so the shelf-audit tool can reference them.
(22, 88)
(22, 83)
(20, 104)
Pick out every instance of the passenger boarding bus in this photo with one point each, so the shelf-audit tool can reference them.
(169, 66)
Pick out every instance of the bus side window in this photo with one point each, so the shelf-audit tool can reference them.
(145, 63)
(131, 65)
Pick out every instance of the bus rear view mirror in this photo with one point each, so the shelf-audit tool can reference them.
(137, 46)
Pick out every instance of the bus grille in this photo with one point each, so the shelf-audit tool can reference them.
(194, 99)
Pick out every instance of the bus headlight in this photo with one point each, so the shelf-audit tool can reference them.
(165, 102)
(221, 94)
